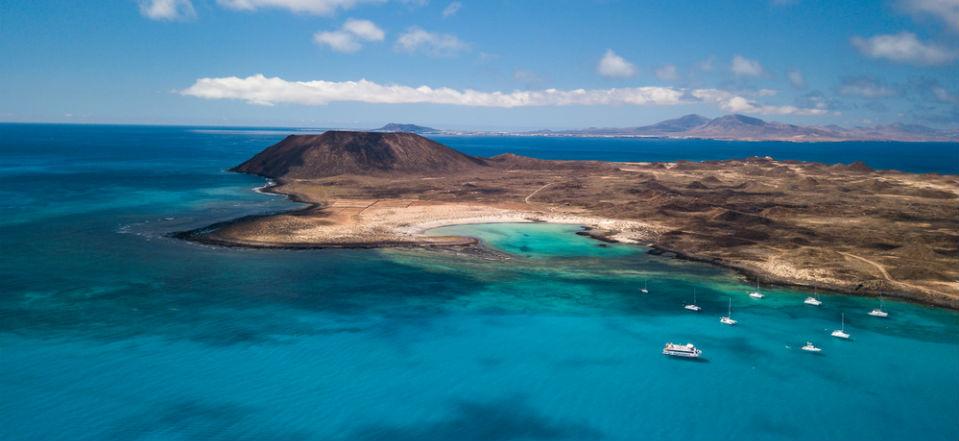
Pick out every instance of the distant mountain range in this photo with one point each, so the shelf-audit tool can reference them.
(740, 127)
(728, 127)
(408, 128)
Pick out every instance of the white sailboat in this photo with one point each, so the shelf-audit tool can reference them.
(756, 294)
(728, 318)
(841, 332)
(644, 290)
(814, 299)
(878, 312)
(809, 347)
(693, 306)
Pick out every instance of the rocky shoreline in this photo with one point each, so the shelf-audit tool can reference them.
(846, 228)
(470, 246)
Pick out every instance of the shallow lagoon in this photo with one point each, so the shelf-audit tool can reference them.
(109, 330)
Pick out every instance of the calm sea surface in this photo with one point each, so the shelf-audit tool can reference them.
(111, 331)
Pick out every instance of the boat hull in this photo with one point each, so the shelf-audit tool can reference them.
(681, 354)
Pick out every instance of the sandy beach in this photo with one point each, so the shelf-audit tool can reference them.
(376, 223)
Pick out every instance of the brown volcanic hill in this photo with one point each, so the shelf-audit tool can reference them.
(362, 153)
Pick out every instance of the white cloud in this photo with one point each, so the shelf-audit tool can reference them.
(903, 47)
(744, 67)
(169, 10)
(730, 102)
(350, 36)
(416, 39)
(707, 65)
(865, 87)
(945, 10)
(259, 89)
(796, 78)
(943, 95)
(315, 7)
(451, 9)
(614, 66)
(339, 41)
(364, 29)
(667, 73)
(526, 76)
(486, 57)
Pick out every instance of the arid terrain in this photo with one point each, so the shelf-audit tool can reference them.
(838, 227)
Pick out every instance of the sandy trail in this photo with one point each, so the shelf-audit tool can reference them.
(885, 274)
(882, 270)
(529, 196)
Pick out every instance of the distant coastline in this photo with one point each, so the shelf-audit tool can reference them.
(729, 127)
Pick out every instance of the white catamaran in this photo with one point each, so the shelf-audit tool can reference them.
(813, 299)
(756, 294)
(645, 289)
(809, 347)
(841, 332)
(693, 306)
(728, 318)
(878, 312)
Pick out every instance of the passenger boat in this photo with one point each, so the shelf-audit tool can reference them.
(687, 350)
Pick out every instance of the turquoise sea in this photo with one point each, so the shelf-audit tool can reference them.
(110, 330)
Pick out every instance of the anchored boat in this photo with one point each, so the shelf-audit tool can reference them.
(756, 294)
(878, 312)
(728, 318)
(693, 306)
(841, 332)
(686, 351)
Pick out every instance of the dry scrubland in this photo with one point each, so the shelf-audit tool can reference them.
(837, 227)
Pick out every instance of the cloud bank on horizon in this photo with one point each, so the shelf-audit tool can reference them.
(259, 89)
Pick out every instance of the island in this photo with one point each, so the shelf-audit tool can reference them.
(840, 227)
(732, 127)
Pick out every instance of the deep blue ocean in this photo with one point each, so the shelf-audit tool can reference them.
(110, 330)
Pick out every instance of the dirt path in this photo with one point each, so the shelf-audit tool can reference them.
(885, 274)
(877, 265)
(537, 191)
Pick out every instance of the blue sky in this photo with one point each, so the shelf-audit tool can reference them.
(485, 64)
